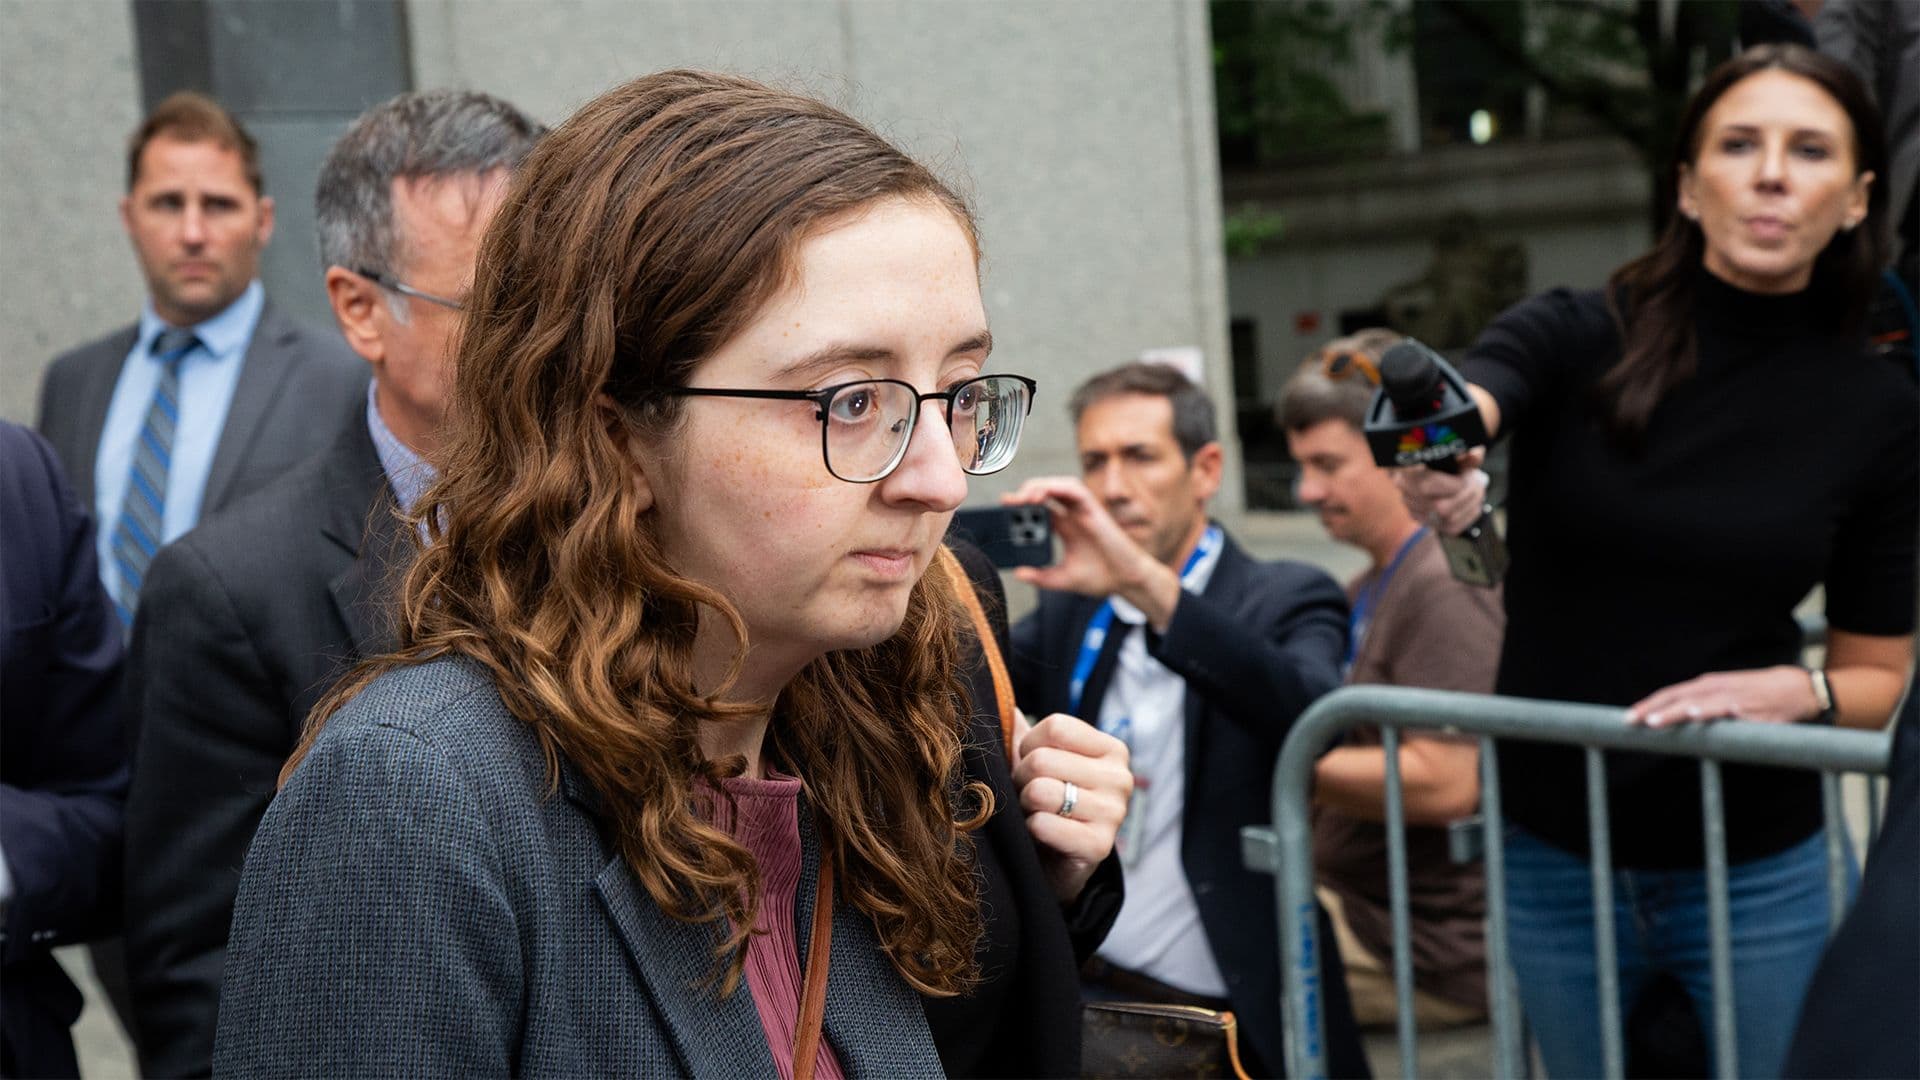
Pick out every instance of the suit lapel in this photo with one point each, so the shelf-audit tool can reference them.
(96, 396)
(1230, 577)
(873, 1021)
(362, 592)
(675, 961)
(263, 374)
(359, 519)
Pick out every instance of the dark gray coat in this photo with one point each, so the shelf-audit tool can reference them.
(246, 622)
(419, 902)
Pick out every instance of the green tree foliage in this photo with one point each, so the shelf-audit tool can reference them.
(1249, 229)
(1274, 98)
(1631, 65)
(1627, 64)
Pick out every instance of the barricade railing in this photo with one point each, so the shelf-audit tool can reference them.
(1286, 849)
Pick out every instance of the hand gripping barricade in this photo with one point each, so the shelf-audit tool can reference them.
(1286, 848)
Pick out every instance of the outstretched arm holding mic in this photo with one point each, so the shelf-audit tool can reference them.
(1864, 673)
(1427, 419)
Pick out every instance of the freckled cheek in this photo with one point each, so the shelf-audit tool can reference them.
(760, 466)
(764, 492)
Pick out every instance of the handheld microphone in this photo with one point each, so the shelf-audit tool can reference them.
(1423, 415)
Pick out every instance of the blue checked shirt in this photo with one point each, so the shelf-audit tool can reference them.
(408, 474)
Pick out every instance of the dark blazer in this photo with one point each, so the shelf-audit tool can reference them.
(421, 901)
(246, 622)
(1023, 1019)
(63, 777)
(1259, 644)
(291, 374)
(1857, 1017)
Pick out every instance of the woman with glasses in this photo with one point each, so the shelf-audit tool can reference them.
(666, 776)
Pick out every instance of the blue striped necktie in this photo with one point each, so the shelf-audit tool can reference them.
(138, 536)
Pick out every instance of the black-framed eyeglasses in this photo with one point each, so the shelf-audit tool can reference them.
(866, 426)
(394, 285)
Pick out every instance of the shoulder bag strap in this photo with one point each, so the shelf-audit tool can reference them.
(813, 987)
(989, 645)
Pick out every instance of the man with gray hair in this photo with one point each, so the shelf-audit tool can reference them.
(246, 621)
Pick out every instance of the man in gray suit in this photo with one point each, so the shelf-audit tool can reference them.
(211, 394)
(249, 619)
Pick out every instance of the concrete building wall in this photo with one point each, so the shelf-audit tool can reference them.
(77, 76)
(69, 93)
(1083, 134)
(296, 74)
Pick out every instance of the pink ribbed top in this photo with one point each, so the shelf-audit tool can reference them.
(769, 826)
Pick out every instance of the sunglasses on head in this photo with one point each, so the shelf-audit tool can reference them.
(1344, 363)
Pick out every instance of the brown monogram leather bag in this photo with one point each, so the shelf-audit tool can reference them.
(1140, 1039)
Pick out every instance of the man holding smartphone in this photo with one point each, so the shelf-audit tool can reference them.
(1160, 627)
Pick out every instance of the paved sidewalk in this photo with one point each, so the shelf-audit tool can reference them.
(105, 1053)
(1462, 1053)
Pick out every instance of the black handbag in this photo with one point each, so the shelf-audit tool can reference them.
(1143, 1039)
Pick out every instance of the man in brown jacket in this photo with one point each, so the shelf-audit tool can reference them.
(1412, 624)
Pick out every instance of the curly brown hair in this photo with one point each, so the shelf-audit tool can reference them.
(639, 237)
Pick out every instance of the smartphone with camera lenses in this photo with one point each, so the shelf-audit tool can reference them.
(1010, 535)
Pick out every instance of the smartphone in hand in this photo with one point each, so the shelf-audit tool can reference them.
(1010, 535)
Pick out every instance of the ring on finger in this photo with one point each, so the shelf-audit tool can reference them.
(1070, 800)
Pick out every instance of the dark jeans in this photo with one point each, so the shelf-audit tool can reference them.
(1777, 907)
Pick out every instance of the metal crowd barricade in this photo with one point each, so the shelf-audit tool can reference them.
(1286, 849)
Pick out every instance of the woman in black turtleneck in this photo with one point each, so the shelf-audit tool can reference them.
(1695, 448)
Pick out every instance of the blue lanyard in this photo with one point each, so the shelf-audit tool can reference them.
(1102, 621)
(1362, 612)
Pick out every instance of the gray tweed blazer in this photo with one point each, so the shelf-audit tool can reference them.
(417, 902)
